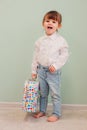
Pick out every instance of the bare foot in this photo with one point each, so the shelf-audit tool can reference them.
(52, 118)
(39, 114)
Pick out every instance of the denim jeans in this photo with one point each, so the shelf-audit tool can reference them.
(49, 83)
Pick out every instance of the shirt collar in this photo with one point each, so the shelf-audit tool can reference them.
(53, 36)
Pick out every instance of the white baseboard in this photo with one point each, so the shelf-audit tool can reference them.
(10, 105)
(74, 106)
(17, 105)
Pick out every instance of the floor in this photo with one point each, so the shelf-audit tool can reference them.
(14, 118)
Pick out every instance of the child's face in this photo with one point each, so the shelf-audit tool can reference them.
(50, 26)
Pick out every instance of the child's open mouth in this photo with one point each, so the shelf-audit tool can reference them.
(49, 27)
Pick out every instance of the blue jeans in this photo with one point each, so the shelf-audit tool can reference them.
(49, 83)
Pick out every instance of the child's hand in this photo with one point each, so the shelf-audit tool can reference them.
(34, 76)
(52, 69)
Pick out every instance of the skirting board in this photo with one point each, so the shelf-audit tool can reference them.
(17, 105)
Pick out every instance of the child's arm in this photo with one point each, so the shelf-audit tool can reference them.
(62, 58)
(35, 61)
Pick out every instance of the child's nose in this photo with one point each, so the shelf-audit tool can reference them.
(50, 22)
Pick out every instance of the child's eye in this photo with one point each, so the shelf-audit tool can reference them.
(47, 21)
(54, 21)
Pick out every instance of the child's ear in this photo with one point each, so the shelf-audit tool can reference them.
(60, 25)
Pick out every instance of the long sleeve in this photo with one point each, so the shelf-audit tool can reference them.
(62, 57)
(35, 59)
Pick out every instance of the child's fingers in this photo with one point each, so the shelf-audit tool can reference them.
(34, 76)
(52, 69)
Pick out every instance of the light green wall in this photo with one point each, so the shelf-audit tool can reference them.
(20, 26)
